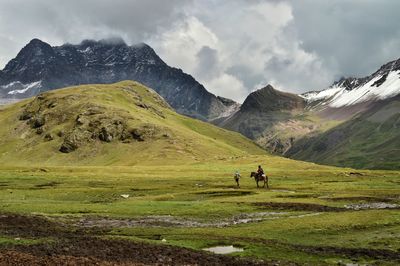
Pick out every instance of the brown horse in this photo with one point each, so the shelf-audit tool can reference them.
(259, 178)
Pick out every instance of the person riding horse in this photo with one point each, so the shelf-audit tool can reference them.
(260, 176)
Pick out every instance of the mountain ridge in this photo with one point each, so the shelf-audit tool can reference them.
(40, 67)
(299, 128)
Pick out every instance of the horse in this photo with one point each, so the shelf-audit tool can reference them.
(259, 178)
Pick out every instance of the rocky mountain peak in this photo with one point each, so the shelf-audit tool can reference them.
(32, 63)
(270, 99)
(380, 85)
(40, 67)
(349, 83)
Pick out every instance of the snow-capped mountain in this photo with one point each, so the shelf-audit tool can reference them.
(381, 85)
(355, 122)
(40, 67)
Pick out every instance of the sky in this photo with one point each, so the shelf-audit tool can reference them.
(231, 47)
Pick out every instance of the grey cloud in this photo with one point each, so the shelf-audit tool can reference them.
(207, 63)
(250, 79)
(58, 21)
(351, 37)
(278, 64)
(322, 41)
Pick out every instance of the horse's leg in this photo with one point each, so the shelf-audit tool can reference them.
(257, 183)
(267, 181)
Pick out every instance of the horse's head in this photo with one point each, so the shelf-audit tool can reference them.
(253, 174)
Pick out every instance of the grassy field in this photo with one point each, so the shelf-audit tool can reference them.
(303, 218)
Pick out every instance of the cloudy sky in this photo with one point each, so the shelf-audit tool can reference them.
(232, 47)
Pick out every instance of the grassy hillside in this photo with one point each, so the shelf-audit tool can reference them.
(119, 124)
(370, 140)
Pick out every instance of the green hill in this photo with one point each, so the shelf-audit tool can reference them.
(118, 124)
(369, 140)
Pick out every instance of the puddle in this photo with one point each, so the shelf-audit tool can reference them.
(223, 249)
(375, 205)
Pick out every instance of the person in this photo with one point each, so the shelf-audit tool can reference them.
(237, 177)
(260, 171)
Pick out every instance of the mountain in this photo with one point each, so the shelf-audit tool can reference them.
(40, 67)
(123, 123)
(355, 122)
(371, 139)
(381, 85)
(260, 114)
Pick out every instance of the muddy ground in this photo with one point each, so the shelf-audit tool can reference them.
(76, 246)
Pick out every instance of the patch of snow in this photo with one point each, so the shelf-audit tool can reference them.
(338, 96)
(366, 92)
(86, 51)
(321, 95)
(25, 87)
(10, 85)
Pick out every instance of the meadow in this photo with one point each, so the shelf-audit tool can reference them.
(311, 214)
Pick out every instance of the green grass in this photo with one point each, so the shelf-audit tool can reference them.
(362, 142)
(172, 190)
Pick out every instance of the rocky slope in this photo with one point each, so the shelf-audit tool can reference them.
(40, 67)
(262, 114)
(124, 123)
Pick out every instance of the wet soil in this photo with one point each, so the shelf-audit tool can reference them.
(365, 199)
(75, 246)
(23, 258)
(298, 207)
(171, 221)
(349, 252)
(225, 193)
(377, 254)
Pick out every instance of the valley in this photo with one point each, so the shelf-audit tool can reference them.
(111, 174)
(199, 133)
